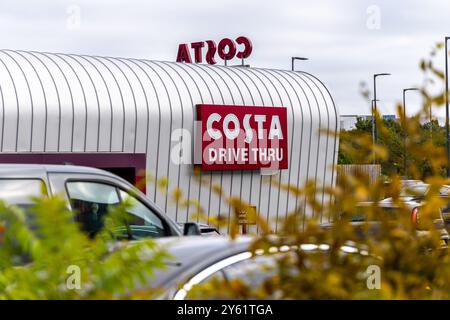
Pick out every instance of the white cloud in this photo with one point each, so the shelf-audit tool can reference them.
(333, 34)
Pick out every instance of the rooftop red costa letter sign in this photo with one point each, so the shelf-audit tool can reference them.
(243, 137)
(227, 49)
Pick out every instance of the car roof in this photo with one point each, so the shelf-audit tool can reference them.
(26, 170)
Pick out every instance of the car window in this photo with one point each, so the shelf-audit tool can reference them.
(362, 214)
(150, 224)
(444, 191)
(446, 207)
(90, 202)
(93, 192)
(20, 192)
(418, 190)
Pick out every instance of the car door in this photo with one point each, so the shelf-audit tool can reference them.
(91, 197)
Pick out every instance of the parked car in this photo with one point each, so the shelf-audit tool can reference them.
(415, 193)
(196, 260)
(89, 193)
(412, 196)
(418, 191)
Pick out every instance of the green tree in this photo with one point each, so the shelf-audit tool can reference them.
(44, 255)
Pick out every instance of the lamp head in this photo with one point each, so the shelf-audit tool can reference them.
(299, 58)
(381, 74)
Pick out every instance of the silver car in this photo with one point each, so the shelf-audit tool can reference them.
(89, 193)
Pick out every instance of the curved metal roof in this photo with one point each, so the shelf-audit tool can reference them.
(75, 103)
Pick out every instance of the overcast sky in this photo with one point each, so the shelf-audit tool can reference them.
(346, 41)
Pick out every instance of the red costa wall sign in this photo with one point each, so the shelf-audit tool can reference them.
(243, 137)
(227, 49)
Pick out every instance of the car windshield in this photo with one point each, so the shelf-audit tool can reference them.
(417, 191)
(420, 190)
(444, 191)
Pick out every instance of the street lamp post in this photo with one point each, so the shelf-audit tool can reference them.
(405, 168)
(374, 111)
(373, 133)
(447, 137)
(297, 58)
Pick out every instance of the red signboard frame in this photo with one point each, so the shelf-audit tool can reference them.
(260, 142)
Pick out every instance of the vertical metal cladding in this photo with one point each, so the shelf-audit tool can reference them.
(74, 103)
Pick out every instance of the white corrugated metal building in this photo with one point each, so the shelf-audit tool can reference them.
(73, 104)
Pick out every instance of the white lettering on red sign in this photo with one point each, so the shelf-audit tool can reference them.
(243, 137)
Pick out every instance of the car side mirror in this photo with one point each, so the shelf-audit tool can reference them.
(191, 229)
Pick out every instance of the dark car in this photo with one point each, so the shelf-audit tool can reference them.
(197, 260)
